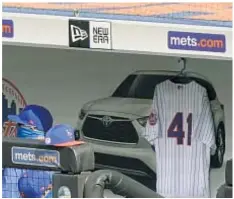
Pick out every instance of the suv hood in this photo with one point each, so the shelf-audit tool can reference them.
(137, 107)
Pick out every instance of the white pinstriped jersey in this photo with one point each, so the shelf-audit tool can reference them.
(181, 129)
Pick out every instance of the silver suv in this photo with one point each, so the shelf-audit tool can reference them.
(114, 125)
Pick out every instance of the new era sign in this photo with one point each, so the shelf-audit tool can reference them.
(89, 34)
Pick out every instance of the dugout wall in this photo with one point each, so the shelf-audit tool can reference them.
(63, 80)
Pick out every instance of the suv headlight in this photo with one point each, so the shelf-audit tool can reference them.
(142, 121)
(82, 114)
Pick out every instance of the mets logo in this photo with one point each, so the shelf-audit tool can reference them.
(12, 103)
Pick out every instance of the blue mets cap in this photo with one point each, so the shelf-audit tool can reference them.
(35, 184)
(34, 115)
(26, 188)
(61, 135)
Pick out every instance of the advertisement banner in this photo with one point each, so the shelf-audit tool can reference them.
(89, 34)
(172, 40)
(7, 28)
(34, 29)
(35, 157)
(196, 41)
(136, 37)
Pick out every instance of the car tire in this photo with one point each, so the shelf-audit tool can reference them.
(217, 158)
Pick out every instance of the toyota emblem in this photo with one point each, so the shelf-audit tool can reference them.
(106, 121)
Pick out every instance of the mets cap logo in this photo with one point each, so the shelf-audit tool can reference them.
(12, 103)
(69, 134)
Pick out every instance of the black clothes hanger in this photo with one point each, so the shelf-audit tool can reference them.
(182, 77)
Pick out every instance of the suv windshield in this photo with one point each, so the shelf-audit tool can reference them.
(139, 86)
(142, 86)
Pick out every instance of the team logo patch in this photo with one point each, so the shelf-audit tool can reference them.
(69, 134)
(31, 122)
(47, 140)
(12, 103)
(152, 118)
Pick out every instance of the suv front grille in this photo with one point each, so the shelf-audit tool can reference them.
(118, 130)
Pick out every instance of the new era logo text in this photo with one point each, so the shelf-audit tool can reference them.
(100, 35)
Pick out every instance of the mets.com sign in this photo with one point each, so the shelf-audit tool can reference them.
(7, 28)
(35, 157)
(196, 41)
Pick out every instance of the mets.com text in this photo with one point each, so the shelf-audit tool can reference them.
(35, 157)
(7, 28)
(196, 41)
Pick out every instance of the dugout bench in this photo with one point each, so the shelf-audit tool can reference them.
(73, 167)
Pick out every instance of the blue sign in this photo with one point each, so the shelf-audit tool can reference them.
(7, 28)
(196, 41)
(35, 157)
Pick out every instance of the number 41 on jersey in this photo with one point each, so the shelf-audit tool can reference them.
(176, 128)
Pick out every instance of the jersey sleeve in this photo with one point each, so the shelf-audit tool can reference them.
(152, 129)
(204, 130)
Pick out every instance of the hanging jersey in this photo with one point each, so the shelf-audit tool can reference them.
(181, 128)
